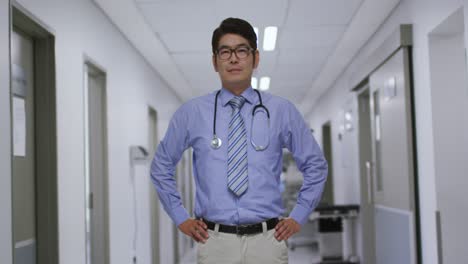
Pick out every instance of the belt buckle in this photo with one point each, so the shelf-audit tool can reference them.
(242, 229)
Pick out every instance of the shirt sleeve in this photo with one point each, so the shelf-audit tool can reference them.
(164, 163)
(310, 161)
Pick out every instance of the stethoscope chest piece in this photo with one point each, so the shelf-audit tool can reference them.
(216, 142)
(260, 148)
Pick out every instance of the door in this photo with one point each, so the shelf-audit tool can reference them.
(367, 199)
(97, 236)
(327, 196)
(392, 165)
(24, 149)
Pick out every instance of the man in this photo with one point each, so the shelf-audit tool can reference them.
(237, 162)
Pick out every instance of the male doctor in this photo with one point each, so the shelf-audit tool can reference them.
(237, 161)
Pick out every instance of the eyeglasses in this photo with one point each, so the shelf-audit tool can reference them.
(241, 52)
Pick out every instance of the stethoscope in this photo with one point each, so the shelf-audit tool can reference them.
(216, 141)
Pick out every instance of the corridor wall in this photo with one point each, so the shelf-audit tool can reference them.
(83, 32)
(424, 16)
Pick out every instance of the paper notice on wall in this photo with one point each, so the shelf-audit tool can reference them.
(19, 82)
(19, 127)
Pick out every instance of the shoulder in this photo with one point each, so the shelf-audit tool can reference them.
(283, 109)
(193, 106)
(277, 102)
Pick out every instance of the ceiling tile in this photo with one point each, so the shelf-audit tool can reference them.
(310, 37)
(293, 93)
(198, 41)
(259, 13)
(180, 16)
(309, 31)
(320, 12)
(267, 63)
(195, 60)
(304, 56)
(285, 73)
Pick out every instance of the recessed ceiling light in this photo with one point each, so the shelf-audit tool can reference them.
(264, 83)
(254, 82)
(269, 40)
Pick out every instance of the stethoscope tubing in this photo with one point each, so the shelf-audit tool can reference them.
(216, 142)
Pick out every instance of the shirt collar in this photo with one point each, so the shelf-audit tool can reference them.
(226, 96)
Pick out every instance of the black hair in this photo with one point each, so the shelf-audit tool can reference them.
(234, 26)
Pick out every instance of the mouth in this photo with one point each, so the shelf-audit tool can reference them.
(236, 70)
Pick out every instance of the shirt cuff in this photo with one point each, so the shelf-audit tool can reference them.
(300, 214)
(180, 215)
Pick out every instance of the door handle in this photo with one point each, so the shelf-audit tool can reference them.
(439, 238)
(369, 183)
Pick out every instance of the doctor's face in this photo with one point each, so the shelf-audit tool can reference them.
(235, 61)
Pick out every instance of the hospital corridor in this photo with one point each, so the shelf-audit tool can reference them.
(288, 131)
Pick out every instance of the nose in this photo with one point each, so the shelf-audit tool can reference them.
(233, 58)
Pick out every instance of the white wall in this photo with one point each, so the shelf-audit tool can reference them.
(425, 15)
(450, 119)
(5, 136)
(81, 29)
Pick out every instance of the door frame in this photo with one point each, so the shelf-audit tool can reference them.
(154, 199)
(46, 130)
(91, 67)
(6, 245)
(366, 178)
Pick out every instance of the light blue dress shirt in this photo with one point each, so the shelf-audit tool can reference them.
(192, 126)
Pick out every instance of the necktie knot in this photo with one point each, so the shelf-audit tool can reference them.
(237, 102)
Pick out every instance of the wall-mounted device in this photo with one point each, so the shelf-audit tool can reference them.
(138, 153)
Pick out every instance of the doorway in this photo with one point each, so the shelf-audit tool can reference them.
(96, 171)
(34, 160)
(327, 196)
(365, 157)
(34, 157)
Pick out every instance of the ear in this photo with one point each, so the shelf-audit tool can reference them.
(256, 59)
(215, 63)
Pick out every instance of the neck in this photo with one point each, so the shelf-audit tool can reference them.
(236, 89)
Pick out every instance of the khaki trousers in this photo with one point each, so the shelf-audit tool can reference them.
(224, 248)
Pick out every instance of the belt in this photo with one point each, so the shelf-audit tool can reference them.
(243, 229)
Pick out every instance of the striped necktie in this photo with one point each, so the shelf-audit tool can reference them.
(237, 149)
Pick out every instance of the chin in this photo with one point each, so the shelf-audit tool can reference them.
(235, 82)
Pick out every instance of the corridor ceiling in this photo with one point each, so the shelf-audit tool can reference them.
(316, 40)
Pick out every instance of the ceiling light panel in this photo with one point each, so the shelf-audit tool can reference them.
(264, 83)
(254, 82)
(269, 38)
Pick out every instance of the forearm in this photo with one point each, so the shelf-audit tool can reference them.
(162, 176)
(310, 192)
